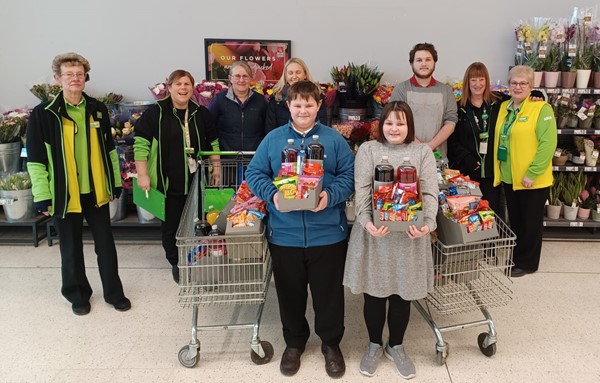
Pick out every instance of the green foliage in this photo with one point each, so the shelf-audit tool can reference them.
(552, 61)
(572, 184)
(360, 80)
(17, 181)
(555, 190)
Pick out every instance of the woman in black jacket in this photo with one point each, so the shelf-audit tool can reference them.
(471, 147)
(278, 114)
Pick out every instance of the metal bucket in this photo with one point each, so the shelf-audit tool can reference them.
(118, 207)
(352, 114)
(20, 206)
(10, 157)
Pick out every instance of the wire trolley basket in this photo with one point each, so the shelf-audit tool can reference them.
(470, 277)
(225, 269)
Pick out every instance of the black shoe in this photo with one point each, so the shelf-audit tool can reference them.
(123, 305)
(334, 361)
(290, 361)
(516, 272)
(175, 272)
(81, 309)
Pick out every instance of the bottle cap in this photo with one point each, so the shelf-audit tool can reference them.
(406, 159)
(210, 207)
(315, 137)
(290, 140)
(215, 227)
(385, 158)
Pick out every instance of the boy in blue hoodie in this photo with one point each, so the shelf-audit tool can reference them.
(308, 248)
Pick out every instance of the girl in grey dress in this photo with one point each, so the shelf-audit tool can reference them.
(384, 266)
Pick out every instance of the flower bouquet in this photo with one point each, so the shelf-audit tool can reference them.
(329, 91)
(159, 90)
(264, 88)
(13, 125)
(357, 132)
(206, 90)
(524, 38)
(45, 92)
(355, 84)
(457, 86)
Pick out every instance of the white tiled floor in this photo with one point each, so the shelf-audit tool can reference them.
(548, 333)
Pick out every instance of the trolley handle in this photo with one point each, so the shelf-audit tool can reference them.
(225, 153)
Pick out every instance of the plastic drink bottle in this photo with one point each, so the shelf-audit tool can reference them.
(300, 161)
(289, 154)
(315, 152)
(212, 215)
(407, 176)
(384, 174)
(216, 247)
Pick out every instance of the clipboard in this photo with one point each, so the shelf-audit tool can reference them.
(154, 203)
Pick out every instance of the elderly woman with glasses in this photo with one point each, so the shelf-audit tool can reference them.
(239, 112)
(525, 141)
(74, 170)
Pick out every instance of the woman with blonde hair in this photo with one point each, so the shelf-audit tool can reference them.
(278, 114)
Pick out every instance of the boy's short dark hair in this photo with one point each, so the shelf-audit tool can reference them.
(305, 90)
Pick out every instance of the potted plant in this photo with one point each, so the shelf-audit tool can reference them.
(586, 203)
(572, 185)
(15, 191)
(12, 128)
(597, 118)
(355, 84)
(596, 208)
(532, 60)
(552, 66)
(567, 67)
(560, 157)
(554, 205)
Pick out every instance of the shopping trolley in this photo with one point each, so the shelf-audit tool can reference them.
(224, 269)
(469, 277)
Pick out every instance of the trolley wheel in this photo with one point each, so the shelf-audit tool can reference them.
(184, 357)
(490, 349)
(440, 356)
(268, 349)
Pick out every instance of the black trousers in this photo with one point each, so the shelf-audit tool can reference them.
(398, 316)
(526, 214)
(75, 285)
(322, 269)
(174, 205)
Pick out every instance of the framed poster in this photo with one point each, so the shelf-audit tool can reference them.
(266, 57)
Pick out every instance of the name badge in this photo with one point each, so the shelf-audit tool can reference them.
(95, 124)
(483, 147)
(192, 165)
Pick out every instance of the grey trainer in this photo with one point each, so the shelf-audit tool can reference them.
(405, 366)
(370, 361)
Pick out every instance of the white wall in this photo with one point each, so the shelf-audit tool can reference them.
(132, 44)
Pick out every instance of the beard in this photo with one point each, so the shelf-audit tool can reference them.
(427, 75)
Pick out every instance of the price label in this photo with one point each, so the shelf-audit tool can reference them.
(576, 224)
(589, 169)
(354, 118)
(579, 131)
(571, 168)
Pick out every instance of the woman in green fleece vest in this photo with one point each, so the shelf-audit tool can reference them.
(525, 141)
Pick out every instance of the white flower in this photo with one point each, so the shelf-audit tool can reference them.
(206, 94)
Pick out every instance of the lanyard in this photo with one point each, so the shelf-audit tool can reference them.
(509, 121)
(186, 131)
